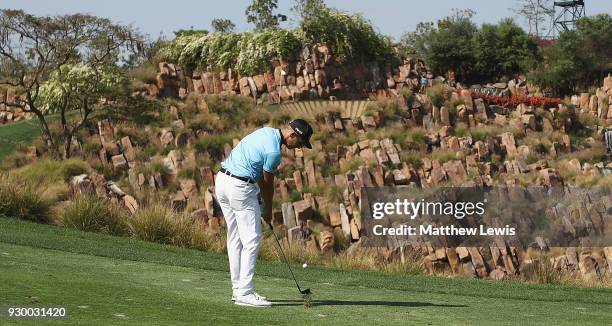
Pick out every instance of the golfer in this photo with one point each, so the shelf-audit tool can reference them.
(249, 168)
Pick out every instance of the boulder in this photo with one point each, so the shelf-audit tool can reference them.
(200, 216)
(346, 226)
(130, 203)
(111, 148)
(189, 188)
(303, 210)
(119, 162)
(509, 144)
(326, 240)
(106, 131)
(288, 215)
(128, 149)
(178, 202)
(209, 203)
(166, 137)
(81, 184)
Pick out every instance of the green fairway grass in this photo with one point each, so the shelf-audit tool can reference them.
(22, 132)
(105, 280)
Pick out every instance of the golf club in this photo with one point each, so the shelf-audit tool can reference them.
(305, 291)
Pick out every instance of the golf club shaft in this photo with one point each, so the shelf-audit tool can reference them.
(286, 261)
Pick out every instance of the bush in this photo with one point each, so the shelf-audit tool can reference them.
(248, 53)
(15, 160)
(487, 53)
(481, 133)
(416, 136)
(45, 170)
(73, 167)
(158, 223)
(93, 214)
(579, 57)
(212, 144)
(449, 45)
(541, 271)
(23, 199)
(438, 95)
(443, 155)
(207, 240)
(351, 37)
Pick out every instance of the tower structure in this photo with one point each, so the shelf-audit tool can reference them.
(568, 13)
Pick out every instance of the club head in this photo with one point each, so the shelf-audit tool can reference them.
(305, 291)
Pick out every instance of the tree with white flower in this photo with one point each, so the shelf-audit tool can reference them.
(61, 64)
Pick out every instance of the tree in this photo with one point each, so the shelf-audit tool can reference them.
(61, 64)
(578, 58)
(221, 25)
(503, 49)
(308, 9)
(261, 13)
(535, 12)
(448, 46)
(351, 37)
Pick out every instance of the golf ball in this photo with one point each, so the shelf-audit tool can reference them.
(305, 265)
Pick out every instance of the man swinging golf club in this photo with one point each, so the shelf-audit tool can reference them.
(253, 161)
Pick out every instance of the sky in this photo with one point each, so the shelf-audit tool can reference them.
(390, 17)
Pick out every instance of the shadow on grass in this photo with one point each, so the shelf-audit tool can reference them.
(363, 303)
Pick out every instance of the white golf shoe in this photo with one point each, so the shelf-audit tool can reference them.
(255, 293)
(252, 300)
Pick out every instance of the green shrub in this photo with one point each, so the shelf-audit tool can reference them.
(248, 53)
(23, 199)
(438, 95)
(15, 160)
(412, 158)
(153, 223)
(45, 170)
(351, 37)
(443, 155)
(160, 224)
(207, 122)
(93, 214)
(212, 143)
(164, 151)
(578, 57)
(107, 170)
(73, 167)
(206, 240)
(461, 130)
(481, 133)
(408, 95)
(416, 135)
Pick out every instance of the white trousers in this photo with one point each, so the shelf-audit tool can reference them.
(242, 213)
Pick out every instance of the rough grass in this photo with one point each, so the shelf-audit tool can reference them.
(23, 199)
(158, 223)
(49, 171)
(93, 214)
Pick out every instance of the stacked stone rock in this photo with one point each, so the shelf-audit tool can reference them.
(10, 114)
(598, 104)
(471, 167)
(316, 75)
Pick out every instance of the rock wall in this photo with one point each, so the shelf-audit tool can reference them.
(9, 114)
(315, 76)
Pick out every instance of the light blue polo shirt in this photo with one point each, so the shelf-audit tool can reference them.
(259, 150)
